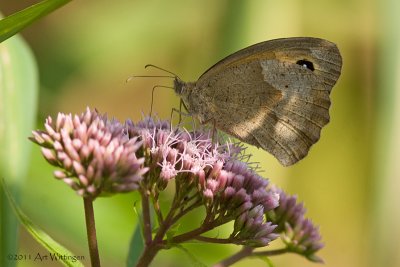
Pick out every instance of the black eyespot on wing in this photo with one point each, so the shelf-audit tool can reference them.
(305, 63)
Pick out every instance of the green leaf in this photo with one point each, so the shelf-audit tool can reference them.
(267, 260)
(195, 262)
(19, 20)
(136, 247)
(172, 232)
(44, 239)
(18, 101)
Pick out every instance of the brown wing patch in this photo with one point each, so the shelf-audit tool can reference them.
(274, 95)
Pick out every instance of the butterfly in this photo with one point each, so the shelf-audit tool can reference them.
(274, 94)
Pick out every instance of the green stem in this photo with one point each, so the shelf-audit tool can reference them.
(243, 253)
(214, 240)
(8, 227)
(156, 244)
(157, 208)
(192, 234)
(248, 252)
(91, 232)
(205, 227)
(148, 254)
(185, 211)
(146, 216)
(270, 252)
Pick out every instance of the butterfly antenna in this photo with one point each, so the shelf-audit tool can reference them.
(148, 76)
(159, 68)
(173, 75)
(152, 96)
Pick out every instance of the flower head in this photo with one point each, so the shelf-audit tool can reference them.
(210, 172)
(298, 232)
(95, 154)
(99, 156)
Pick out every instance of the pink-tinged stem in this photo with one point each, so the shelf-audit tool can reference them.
(91, 232)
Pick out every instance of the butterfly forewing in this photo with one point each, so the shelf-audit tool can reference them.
(274, 94)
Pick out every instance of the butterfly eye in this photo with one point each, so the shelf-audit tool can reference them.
(306, 64)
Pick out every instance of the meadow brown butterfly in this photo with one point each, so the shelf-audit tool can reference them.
(274, 94)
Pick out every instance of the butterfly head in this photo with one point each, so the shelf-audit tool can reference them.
(183, 89)
(179, 86)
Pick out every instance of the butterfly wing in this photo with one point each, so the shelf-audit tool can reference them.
(274, 94)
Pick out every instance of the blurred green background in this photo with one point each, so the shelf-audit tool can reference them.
(350, 180)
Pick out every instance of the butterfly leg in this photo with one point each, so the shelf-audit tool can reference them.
(214, 132)
(181, 113)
